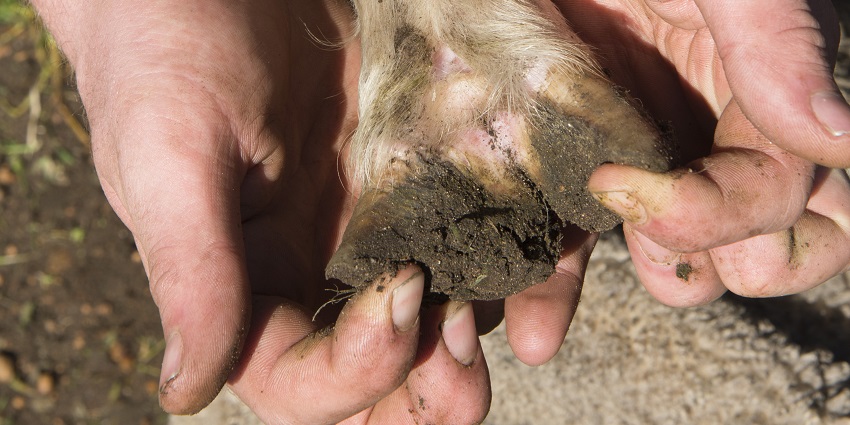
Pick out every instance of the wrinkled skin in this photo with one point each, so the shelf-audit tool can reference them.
(216, 127)
(729, 218)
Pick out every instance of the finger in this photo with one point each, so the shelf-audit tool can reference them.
(676, 279)
(537, 319)
(449, 383)
(787, 44)
(754, 186)
(330, 375)
(173, 185)
(815, 249)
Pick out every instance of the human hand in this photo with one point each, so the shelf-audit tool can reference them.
(217, 127)
(743, 84)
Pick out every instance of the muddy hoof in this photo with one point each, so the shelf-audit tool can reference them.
(477, 138)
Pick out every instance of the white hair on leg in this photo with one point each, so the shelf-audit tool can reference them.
(507, 48)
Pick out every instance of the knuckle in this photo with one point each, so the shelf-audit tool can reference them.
(379, 371)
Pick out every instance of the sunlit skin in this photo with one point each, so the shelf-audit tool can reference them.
(217, 131)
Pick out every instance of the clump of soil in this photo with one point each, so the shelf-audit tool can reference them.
(473, 243)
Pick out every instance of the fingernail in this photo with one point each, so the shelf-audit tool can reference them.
(407, 299)
(459, 333)
(654, 252)
(832, 111)
(171, 361)
(624, 204)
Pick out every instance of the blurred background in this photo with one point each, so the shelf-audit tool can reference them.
(80, 340)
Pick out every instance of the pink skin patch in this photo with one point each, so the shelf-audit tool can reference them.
(455, 115)
(509, 129)
(459, 97)
(493, 152)
(504, 144)
(446, 62)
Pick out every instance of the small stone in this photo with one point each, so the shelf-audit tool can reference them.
(119, 355)
(103, 309)
(18, 402)
(151, 387)
(45, 384)
(839, 405)
(79, 342)
(59, 262)
(7, 368)
(836, 373)
(11, 250)
(20, 56)
(47, 300)
(7, 177)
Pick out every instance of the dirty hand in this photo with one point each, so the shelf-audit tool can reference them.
(216, 129)
(742, 84)
(749, 91)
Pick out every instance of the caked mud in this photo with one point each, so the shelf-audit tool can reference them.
(475, 244)
(474, 151)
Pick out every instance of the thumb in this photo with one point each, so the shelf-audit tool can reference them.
(197, 278)
(778, 56)
(180, 198)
